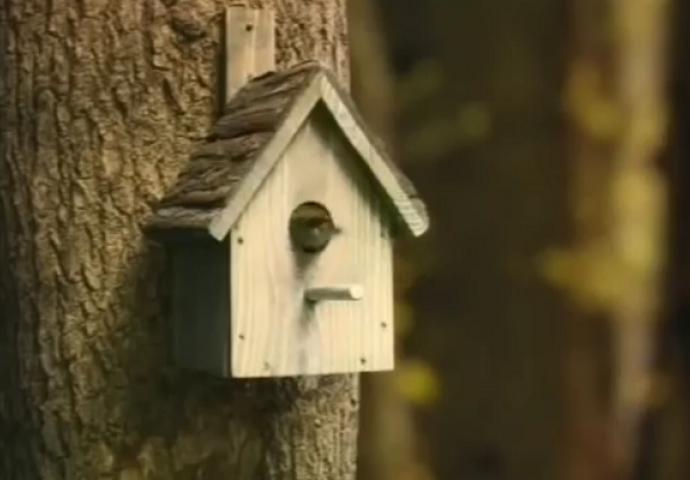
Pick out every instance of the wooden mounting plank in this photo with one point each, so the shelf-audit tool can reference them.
(249, 45)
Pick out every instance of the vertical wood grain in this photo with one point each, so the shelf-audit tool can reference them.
(249, 45)
(275, 333)
(417, 223)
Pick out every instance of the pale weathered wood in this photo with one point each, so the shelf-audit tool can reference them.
(264, 164)
(264, 42)
(259, 123)
(249, 45)
(388, 178)
(334, 292)
(276, 332)
(286, 139)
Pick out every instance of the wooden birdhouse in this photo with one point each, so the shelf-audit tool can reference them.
(280, 231)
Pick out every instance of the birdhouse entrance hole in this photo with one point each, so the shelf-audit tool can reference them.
(311, 228)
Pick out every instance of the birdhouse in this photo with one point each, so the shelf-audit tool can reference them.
(280, 230)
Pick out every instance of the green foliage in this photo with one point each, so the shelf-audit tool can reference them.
(473, 122)
(423, 83)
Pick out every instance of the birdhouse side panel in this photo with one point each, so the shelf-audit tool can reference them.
(201, 318)
(276, 330)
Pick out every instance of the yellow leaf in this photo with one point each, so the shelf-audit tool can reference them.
(590, 108)
(417, 382)
(594, 279)
(601, 118)
(558, 267)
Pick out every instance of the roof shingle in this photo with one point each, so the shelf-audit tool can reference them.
(253, 116)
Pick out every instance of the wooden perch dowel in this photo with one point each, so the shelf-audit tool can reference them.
(338, 292)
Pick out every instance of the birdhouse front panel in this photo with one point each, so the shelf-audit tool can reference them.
(311, 265)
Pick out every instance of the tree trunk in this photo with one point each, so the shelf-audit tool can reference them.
(617, 114)
(100, 104)
(478, 100)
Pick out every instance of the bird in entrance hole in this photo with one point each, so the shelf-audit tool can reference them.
(312, 227)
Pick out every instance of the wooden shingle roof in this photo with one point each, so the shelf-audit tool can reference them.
(225, 172)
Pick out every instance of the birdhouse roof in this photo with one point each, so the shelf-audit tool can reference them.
(225, 172)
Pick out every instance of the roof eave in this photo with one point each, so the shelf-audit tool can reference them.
(410, 210)
(267, 159)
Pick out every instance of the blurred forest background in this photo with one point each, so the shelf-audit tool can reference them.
(543, 319)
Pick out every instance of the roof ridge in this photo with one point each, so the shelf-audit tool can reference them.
(258, 123)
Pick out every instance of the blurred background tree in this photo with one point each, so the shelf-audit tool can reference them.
(477, 119)
(530, 314)
(387, 448)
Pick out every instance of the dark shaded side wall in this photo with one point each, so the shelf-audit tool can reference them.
(484, 318)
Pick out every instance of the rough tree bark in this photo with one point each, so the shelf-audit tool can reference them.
(100, 103)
